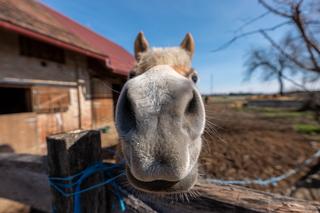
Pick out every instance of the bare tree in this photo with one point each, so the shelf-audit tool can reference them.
(304, 35)
(269, 63)
(304, 16)
(302, 50)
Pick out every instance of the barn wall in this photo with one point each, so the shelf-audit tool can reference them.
(17, 70)
(15, 128)
(51, 123)
(85, 96)
(101, 95)
(101, 116)
(17, 67)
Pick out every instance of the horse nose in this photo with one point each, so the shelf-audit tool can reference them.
(178, 101)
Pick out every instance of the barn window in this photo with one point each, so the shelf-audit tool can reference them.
(15, 100)
(50, 99)
(38, 49)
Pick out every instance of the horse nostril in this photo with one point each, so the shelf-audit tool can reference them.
(192, 105)
(126, 119)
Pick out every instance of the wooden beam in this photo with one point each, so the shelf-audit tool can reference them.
(216, 198)
(255, 200)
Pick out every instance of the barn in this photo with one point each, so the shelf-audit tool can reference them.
(55, 76)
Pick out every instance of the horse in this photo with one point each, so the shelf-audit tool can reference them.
(160, 118)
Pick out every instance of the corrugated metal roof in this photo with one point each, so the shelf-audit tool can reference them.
(30, 15)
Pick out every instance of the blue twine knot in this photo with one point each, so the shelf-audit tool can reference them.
(58, 183)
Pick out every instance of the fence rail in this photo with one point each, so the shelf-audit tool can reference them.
(25, 179)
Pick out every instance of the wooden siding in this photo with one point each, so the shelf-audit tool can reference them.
(50, 99)
(102, 112)
(19, 132)
(102, 103)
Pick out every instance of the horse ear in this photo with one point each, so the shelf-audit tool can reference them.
(188, 44)
(140, 45)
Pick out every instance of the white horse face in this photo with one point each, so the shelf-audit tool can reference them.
(160, 118)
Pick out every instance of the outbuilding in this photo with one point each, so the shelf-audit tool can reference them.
(55, 76)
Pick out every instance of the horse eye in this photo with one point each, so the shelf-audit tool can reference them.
(194, 78)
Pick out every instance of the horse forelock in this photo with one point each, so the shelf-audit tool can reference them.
(176, 57)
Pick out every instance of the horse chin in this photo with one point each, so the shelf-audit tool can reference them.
(163, 186)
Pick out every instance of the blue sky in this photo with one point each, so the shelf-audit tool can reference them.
(165, 22)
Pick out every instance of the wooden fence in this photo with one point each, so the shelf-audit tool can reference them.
(25, 179)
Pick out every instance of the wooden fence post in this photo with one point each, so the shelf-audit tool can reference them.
(69, 154)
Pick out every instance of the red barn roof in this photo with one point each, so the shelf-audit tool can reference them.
(34, 19)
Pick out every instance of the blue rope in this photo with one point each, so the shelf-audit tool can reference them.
(119, 197)
(270, 181)
(58, 184)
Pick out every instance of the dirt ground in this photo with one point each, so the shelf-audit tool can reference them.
(9, 206)
(244, 143)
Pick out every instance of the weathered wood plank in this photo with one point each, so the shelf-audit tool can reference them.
(254, 200)
(69, 154)
(217, 198)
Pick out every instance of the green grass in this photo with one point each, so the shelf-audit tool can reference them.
(307, 128)
(284, 114)
(280, 113)
(225, 99)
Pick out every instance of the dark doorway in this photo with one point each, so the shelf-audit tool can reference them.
(15, 100)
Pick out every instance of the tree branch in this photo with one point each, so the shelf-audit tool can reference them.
(251, 21)
(288, 56)
(309, 44)
(228, 43)
(274, 10)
